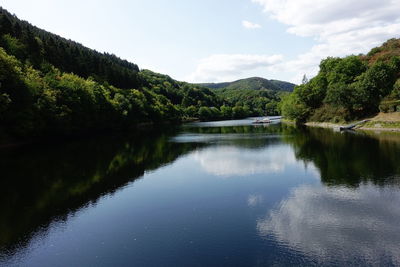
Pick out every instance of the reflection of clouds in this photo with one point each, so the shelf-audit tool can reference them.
(254, 200)
(229, 160)
(339, 224)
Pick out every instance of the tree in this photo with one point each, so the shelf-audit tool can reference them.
(293, 109)
(191, 111)
(239, 112)
(205, 113)
(271, 108)
(226, 112)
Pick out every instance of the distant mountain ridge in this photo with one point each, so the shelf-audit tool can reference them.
(253, 83)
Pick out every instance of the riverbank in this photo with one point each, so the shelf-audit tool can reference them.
(387, 122)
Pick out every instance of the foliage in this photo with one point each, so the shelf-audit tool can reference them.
(348, 88)
(33, 102)
(29, 43)
(293, 108)
(53, 86)
(259, 102)
(254, 83)
(390, 106)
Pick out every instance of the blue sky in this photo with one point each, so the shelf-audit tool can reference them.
(219, 40)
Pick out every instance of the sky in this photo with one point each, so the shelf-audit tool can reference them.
(219, 40)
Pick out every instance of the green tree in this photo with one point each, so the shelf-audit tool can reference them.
(226, 112)
(205, 113)
(294, 109)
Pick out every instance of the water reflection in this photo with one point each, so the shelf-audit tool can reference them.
(254, 200)
(338, 224)
(347, 158)
(240, 135)
(48, 183)
(347, 217)
(232, 161)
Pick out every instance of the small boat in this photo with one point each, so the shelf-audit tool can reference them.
(262, 121)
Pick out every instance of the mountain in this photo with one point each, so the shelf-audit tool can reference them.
(254, 83)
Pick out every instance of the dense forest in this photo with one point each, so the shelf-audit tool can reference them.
(253, 83)
(257, 101)
(258, 95)
(50, 85)
(349, 88)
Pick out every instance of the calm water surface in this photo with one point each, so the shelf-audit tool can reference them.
(207, 194)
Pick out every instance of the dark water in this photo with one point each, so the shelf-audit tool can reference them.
(209, 194)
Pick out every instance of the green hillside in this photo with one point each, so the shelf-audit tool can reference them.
(51, 86)
(349, 88)
(29, 43)
(263, 102)
(254, 83)
(257, 94)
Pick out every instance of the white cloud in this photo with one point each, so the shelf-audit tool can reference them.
(340, 28)
(250, 25)
(228, 67)
(338, 224)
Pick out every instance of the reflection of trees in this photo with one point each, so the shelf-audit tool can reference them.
(247, 136)
(342, 158)
(347, 158)
(41, 184)
(250, 129)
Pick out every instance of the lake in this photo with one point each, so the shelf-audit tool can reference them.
(204, 194)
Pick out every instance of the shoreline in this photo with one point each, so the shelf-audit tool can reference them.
(382, 122)
(328, 125)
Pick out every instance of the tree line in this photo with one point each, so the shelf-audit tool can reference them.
(50, 85)
(349, 88)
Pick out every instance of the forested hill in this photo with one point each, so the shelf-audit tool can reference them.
(349, 88)
(29, 43)
(52, 86)
(254, 83)
(259, 94)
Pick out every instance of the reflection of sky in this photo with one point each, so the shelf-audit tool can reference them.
(254, 200)
(231, 161)
(221, 138)
(339, 224)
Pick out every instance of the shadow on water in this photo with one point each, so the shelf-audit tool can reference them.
(45, 183)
